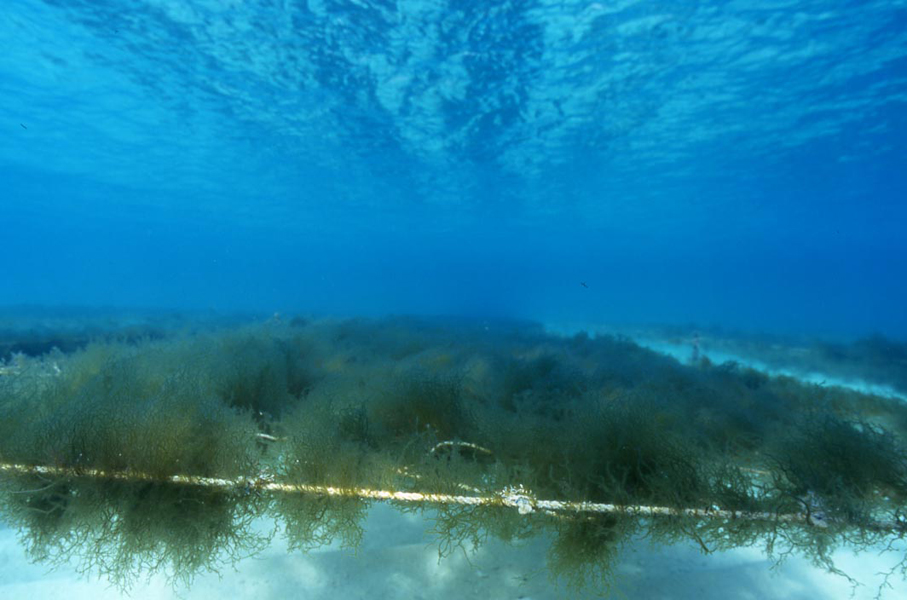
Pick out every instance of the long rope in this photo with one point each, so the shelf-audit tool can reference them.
(513, 497)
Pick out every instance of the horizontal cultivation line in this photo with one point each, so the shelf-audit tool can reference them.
(518, 498)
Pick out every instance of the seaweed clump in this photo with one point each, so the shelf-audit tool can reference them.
(584, 551)
(849, 471)
(127, 411)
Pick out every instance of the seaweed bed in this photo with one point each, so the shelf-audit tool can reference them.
(874, 359)
(103, 446)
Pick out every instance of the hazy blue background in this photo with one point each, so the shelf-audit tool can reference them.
(733, 163)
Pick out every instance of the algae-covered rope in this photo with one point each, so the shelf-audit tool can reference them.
(513, 497)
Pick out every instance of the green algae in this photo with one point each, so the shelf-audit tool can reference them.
(417, 406)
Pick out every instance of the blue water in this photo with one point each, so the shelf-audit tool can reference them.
(741, 164)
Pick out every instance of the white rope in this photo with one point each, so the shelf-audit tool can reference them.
(469, 445)
(513, 497)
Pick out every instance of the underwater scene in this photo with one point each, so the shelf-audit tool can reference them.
(446, 299)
